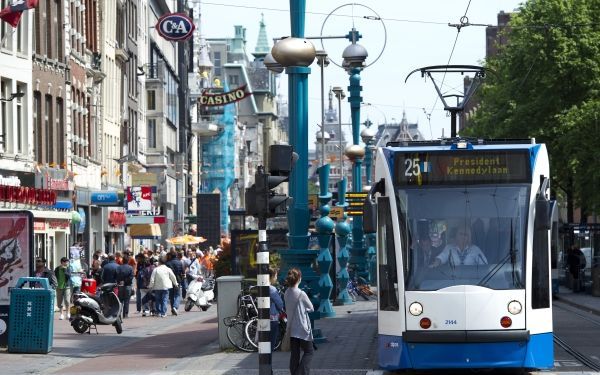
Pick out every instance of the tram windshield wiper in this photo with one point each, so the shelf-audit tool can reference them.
(512, 256)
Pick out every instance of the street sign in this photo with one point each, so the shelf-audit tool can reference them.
(175, 26)
(145, 220)
(355, 203)
(105, 198)
(336, 212)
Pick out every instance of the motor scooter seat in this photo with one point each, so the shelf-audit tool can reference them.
(107, 287)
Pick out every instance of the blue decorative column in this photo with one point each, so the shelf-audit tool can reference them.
(296, 57)
(356, 153)
(298, 255)
(342, 229)
(371, 237)
(325, 228)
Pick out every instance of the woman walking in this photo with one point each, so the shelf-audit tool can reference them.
(298, 306)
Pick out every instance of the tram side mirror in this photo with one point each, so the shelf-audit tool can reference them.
(543, 219)
(370, 207)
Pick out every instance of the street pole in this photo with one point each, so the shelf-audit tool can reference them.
(262, 278)
(323, 62)
(339, 94)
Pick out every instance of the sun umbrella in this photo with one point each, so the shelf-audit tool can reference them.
(186, 240)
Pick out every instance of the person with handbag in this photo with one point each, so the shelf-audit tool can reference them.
(298, 306)
(276, 308)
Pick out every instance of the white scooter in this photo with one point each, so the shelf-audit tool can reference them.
(200, 293)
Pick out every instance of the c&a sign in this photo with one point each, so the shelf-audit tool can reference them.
(27, 195)
(175, 26)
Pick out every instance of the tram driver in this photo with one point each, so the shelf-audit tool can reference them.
(461, 252)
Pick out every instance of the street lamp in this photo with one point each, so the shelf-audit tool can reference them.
(323, 61)
(322, 138)
(13, 96)
(354, 61)
(367, 135)
(339, 94)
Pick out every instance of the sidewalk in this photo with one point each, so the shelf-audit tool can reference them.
(350, 349)
(583, 301)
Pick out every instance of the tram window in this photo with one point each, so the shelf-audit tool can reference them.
(540, 284)
(388, 275)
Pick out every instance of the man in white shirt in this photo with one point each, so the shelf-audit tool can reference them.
(161, 281)
(461, 252)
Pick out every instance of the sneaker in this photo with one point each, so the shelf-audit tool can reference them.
(62, 316)
(163, 315)
(174, 311)
(145, 313)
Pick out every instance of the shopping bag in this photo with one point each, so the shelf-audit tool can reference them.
(285, 342)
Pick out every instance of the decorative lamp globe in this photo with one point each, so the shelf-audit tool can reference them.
(294, 52)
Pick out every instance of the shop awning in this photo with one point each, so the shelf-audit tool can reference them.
(51, 214)
(144, 231)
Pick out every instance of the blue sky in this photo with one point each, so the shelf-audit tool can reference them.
(418, 35)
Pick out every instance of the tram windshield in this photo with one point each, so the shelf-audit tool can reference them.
(463, 236)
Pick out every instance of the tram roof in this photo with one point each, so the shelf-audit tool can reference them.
(445, 144)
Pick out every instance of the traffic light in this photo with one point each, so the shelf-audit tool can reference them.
(261, 200)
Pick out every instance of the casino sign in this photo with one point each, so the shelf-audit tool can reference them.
(208, 99)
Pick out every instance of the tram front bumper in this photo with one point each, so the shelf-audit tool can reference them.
(533, 351)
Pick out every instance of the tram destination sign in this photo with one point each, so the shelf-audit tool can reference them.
(356, 201)
(462, 167)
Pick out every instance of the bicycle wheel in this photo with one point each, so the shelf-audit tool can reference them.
(251, 331)
(237, 337)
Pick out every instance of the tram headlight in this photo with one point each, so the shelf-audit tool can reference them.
(514, 307)
(415, 309)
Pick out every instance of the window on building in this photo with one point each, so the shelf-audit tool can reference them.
(37, 125)
(5, 28)
(151, 100)
(152, 133)
(49, 139)
(22, 34)
(58, 30)
(6, 106)
(48, 31)
(21, 120)
(217, 62)
(60, 131)
(234, 80)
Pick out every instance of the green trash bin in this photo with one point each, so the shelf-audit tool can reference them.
(31, 316)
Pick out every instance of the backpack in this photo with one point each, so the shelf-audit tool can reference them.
(146, 275)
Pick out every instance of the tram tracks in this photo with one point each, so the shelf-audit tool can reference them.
(569, 349)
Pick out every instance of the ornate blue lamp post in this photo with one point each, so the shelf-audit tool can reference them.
(354, 61)
(325, 228)
(295, 54)
(367, 136)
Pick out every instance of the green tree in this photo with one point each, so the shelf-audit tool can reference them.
(545, 83)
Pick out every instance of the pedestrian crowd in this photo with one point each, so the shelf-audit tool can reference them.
(157, 278)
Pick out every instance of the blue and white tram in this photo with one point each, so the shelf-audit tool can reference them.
(463, 254)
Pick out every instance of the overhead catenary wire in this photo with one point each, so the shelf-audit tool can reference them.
(403, 20)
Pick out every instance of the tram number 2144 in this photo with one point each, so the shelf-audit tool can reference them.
(451, 322)
(413, 167)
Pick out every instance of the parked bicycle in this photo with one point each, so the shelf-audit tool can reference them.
(251, 328)
(236, 325)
